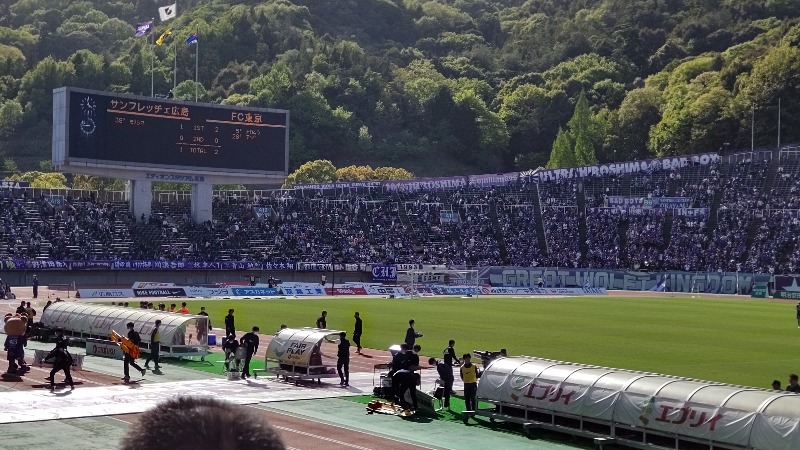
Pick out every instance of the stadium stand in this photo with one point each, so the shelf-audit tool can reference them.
(747, 219)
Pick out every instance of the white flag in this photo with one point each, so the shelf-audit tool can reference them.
(168, 12)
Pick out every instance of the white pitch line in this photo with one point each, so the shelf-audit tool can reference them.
(327, 439)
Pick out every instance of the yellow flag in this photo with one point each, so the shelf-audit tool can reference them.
(163, 36)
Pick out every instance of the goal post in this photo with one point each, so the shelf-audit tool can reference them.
(428, 282)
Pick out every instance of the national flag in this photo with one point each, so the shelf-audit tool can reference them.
(192, 39)
(163, 36)
(168, 12)
(144, 28)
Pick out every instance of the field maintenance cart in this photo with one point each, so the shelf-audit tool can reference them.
(296, 354)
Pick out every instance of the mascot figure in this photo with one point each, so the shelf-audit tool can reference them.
(15, 325)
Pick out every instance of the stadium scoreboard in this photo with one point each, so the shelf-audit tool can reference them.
(110, 129)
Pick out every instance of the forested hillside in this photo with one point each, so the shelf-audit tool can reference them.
(436, 87)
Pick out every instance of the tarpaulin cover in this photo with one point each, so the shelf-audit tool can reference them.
(747, 417)
(299, 347)
(98, 320)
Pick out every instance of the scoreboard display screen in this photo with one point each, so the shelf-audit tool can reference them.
(150, 131)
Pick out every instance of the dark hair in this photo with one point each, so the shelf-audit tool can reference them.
(417, 347)
(324, 312)
(411, 322)
(201, 422)
(793, 376)
(466, 355)
(230, 311)
(129, 324)
(158, 322)
(432, 361)
(342, 334)
(451, 342)
(255, 329)
(404, 346)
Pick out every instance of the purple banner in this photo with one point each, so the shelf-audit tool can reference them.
(84, 265)
(500, 179)
(384, 273)
(647, 165)
(339, 185)
(425, 184)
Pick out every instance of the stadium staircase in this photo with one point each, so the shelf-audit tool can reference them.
(712, 214)
(581, 201)
(498, 232)
(769, 182)
(537, 213)
(622, 254)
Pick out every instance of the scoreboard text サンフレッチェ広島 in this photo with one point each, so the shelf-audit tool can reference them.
(143, 130)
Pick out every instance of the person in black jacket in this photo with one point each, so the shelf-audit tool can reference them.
(357, 333)
(230, 346)
(155, 346)
(134, 337)
(343, 359)
(250, 342)
(322, 321)
(62, 360)
(230, 328)
(411, 334)
(446, 375)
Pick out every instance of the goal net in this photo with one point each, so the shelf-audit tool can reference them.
(429, 282)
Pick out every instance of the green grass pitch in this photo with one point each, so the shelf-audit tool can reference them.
(740, 341)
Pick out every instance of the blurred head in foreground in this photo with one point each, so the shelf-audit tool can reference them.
(199, 423)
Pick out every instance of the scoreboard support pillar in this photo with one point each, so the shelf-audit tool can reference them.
(141, 198)
(202, 202)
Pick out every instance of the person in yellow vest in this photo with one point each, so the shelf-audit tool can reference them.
(469, 375)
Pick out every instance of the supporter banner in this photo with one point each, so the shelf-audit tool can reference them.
(425, 184)
(408, 266)
(647, 165)
(346, 290)
(262, 211)
(656, 202)
(160, 292)
(384, 273)
(706, 282)
(86, 265)
(150, 285)
(500, 179)
(449, 217)
(314, 267)
(105, 293)
(543, 291)
(22, 264)
(339, 185)
(690, 212)
(253, 291)
(440, 289)
(295, 288)
(56, 200)
(14, 184)
(787, 286)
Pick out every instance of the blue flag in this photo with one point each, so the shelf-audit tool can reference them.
(192, 39)
(144, 28)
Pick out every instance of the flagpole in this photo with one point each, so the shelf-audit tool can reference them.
(152, 57)
(196, 65)
(175, 58)
(175, 67)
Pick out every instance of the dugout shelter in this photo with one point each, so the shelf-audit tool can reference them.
(182, 335)
(638, 409)
(296, 354)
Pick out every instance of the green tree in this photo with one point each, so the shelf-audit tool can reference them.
(355, 173)
(10, 117)
(317, 171)
(392, 173)
(581, 133)
(562, 155)
(42, 180)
